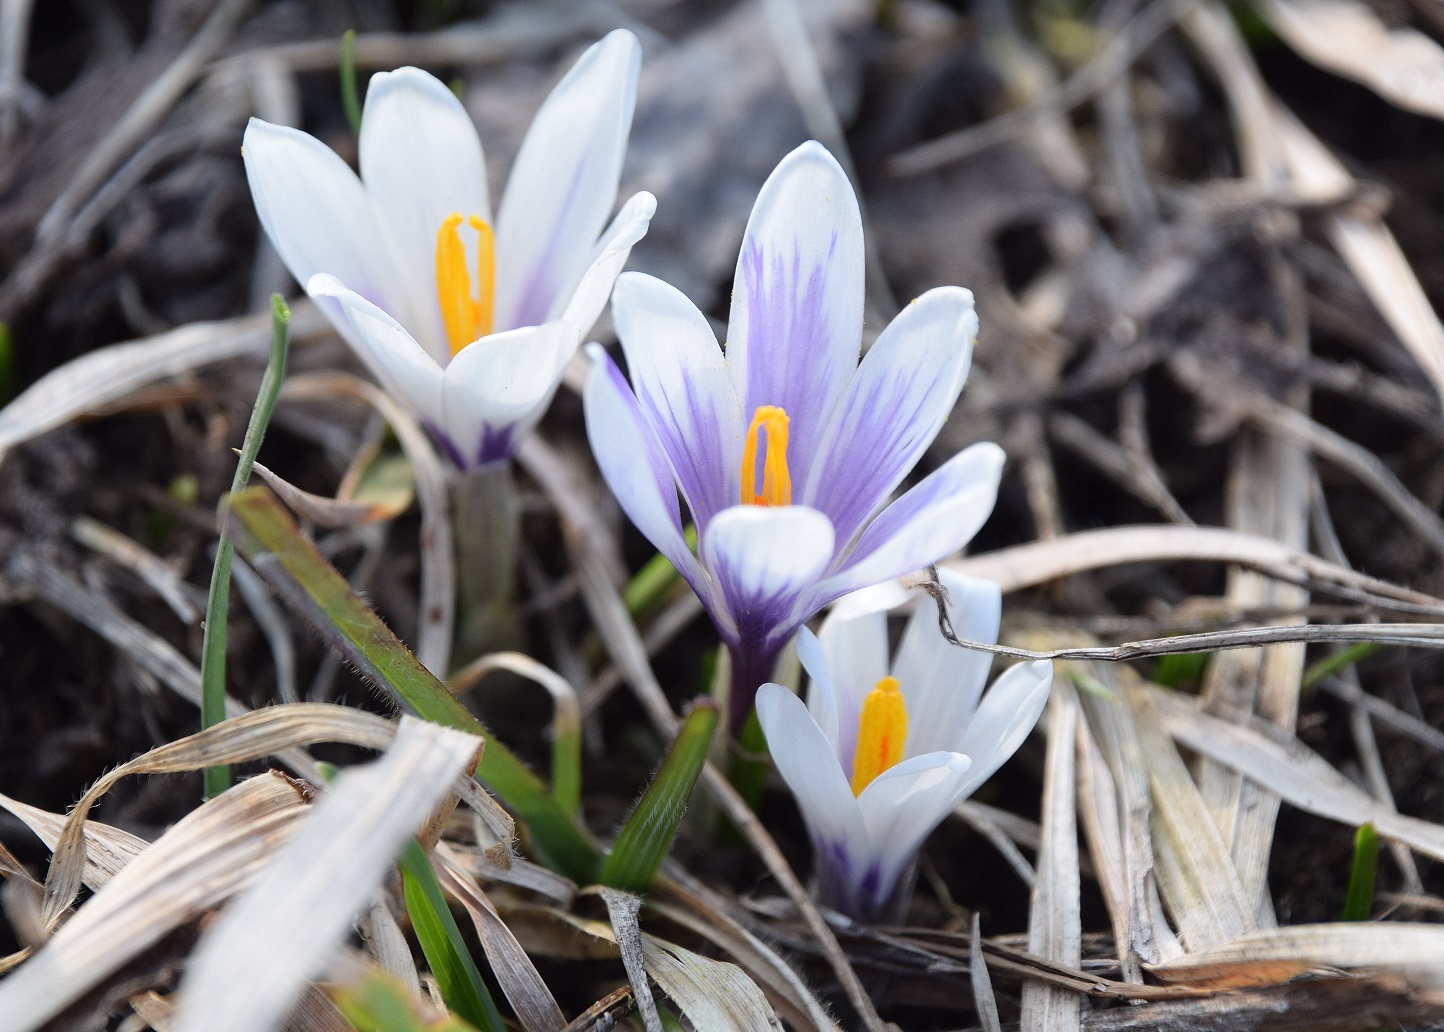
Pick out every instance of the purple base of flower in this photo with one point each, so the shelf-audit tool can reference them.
(856, 893)
(752, 667)
(496, 446)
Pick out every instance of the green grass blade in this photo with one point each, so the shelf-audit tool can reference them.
(644, 592)
(213, 644)
(461, 985)
(267, 537)
(376, 1002)
(1359, 903)
(645, 838)
(350, 96)
(1332, 664)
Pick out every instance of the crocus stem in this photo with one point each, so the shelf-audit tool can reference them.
(486, 514)
(752, 667)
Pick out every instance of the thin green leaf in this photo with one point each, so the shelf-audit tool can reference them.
(1359, 903)
(441, 941)
(645, 592)
(213, 645)
(293, 567)
(645, 838)
(748, 770)
(376, 1002)
(1332, 664)
(1172, 671)
(350, 97)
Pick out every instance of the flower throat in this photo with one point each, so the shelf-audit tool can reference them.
(465, 316)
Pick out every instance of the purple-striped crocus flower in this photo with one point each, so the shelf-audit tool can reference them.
(883, 750)
(468, 321)
(786, 449)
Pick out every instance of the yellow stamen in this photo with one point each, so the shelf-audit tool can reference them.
(882, 731)
(464, 316)
(776, 480)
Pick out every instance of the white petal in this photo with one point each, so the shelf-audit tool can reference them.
(821, 695)
(586, 302)
(1008, 712)
(636, 469)
(763, 558)
(317, 215)
(497, 388)
(564, 182)
(420, 160)
(893, 408)
(856, 649)
(940, 681)
(681, 382)
(401, 365)
(904, 804)
(927, 524)
(797, 299)
(805, 760)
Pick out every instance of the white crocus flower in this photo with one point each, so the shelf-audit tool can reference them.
(882, 751)
(468, 320)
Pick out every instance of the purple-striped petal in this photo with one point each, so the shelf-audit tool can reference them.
(940, 681)
(564, 181)
(797, 299)
(932, 521)
(686, 396)
(637, 471)
(762, 559)
(421, 160)
(893, 408)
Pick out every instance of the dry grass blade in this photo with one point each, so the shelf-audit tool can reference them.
(318, 509)
(714, 995)
(250, 968)
(248, 737)
(1054, 917)
(108, 374)
(200, 862)
(622, 910)
(1367, 245)
(160, 576)
(437, 605)
(388, 944)
(1195, 872)
(1276, 954)
(529, 996)
(1288, 768)
(107, 849)
(1402, 65)
(1026, 566)
(983, 1000)
(974, 816)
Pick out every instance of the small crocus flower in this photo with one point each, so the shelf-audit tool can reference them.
(786, 449)
(882, 751)
(468, 320)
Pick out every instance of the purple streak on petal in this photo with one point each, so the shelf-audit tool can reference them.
(848, 883)
(705, 481)
(447, 445)
(789, 347)
(496, 444)
(862, 469)
(534, 303)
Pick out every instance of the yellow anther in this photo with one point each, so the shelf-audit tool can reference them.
(882, 731)
(776, 480)
(465, 316)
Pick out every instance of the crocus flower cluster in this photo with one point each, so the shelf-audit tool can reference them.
(786, 448)
(468, 320)
(884, 749)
